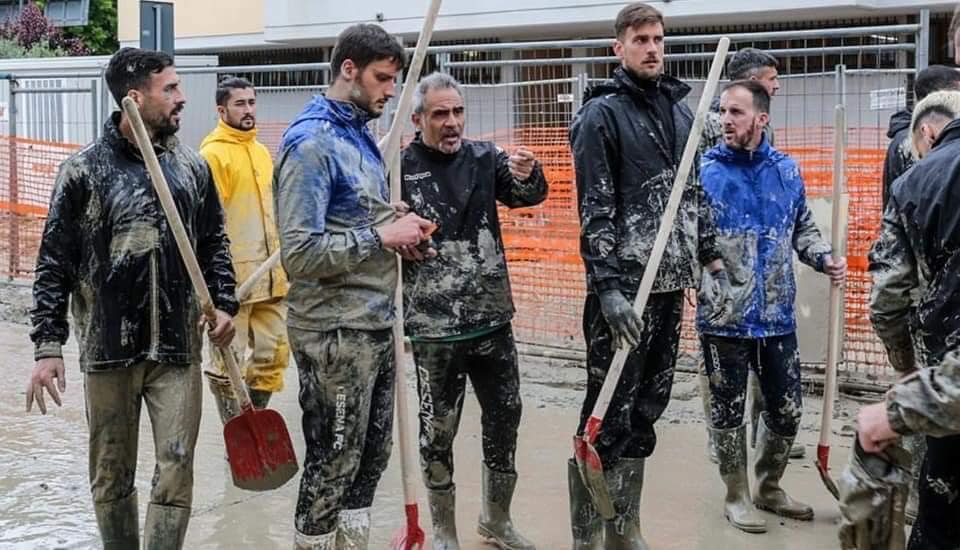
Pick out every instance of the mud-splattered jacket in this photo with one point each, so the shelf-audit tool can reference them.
(761, 214)
(331, 191)
(928, 401)
(915, 261)
(466, 287)
(899, 156)
(625, 166)
(108, 251)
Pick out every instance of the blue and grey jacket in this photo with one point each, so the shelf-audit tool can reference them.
(331, 190)
(761, 213)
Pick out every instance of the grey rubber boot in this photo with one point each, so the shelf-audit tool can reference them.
(119, 523)
(353, 529)
(494, 524)
(756, 407)
(737, 506)
(259, 398)
(326, 541)
(585, 522)
(625, 482)
(165, 527)
(227, 404)
(443, 503)
(772, 456)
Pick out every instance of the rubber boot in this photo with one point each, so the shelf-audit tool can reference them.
(772, 455)
(443, 504)
(326, 541)
(797, 450)
(227, 404)
(585, 522)
(119, 523)
(494, 524)
(165, 527)
(737, 506)
(259, 398)
(625, 482)
(353, 529)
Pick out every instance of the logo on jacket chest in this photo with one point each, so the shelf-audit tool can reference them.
(418, 176)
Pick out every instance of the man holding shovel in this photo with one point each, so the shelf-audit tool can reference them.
(759, 203)
(108, 252)
(627, 143)
(242, 171)
(338, 236)
(458, 306)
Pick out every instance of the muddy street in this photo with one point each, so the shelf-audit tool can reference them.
(45, 499)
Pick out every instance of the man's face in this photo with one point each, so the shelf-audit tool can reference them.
(240, 111)
(640, 49)
(372, 87)
(441, 122)
(161, 103)
(742, 123)
(770, 78)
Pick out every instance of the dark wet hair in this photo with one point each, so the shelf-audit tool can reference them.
(936, 78)
(746, 62)
(130, 68)
(364, 44)
(228, 85)
(634, 15)
(761, 99)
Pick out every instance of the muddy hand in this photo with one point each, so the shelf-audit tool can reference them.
(521, 163)
(835, 269)
(222, 330)
(409, 230)
(43, 375)
(873, 428)
(400, 209)
(625, 324)
(717, 291)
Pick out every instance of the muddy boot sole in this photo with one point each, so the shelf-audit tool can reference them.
(746, 528)
(797, 451)
(491, 539)
(806, 515)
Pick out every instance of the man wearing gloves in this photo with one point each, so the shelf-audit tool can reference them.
(761, 214)
(243, 171)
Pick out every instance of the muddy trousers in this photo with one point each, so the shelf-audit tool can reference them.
(776, 362)
(490, 362)
(644, 389)
(346, 394)
(937, 526)
(113, 400)
(261, 346)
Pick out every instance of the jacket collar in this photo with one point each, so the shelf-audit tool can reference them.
(724, 153)
(113, 137)
(225, 132)
(950, 133)
(673, 89)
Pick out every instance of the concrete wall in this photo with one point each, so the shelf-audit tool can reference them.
(198, 18)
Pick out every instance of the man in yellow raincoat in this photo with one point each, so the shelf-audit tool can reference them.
(243, 172)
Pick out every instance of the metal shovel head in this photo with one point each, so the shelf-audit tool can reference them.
(259, 449)
(591, 472)
(823, 458)
(410, 536)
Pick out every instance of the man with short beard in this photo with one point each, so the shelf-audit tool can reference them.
(458, 306)
(627, 142)
(108, 251)
(338, 237)
(243, 170)
(761, 213)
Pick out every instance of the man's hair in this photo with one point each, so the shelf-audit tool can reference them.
(227, 85)
(748, 62)
(130, 69)
(761, 98)
(934, 79)
(943, 104)
(433, 81)
(634, 15)
(364, 44)
(954, 27)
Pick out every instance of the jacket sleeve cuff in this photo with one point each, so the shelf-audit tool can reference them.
(46, 350)
(895, 417)
(368, 241)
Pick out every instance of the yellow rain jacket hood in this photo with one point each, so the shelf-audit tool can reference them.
(243, 173)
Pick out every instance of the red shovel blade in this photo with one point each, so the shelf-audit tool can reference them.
(411, 536)
(823, 459)
(591, 469)
(259, 449)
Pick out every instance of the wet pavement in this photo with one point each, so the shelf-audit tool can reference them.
(45, 499)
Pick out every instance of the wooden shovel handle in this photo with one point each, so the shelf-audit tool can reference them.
(182, 240)
(243, 292)
(666, 225)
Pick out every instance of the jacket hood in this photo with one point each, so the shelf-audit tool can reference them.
(899, 121)
(624, 83)
(228, 134)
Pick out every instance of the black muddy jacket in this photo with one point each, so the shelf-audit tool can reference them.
(899, 156)
(466, 287)
(107, 249)
(916, 259)
(625, 164)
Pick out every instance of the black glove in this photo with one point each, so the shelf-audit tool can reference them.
(717, 291)
(624, 322)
